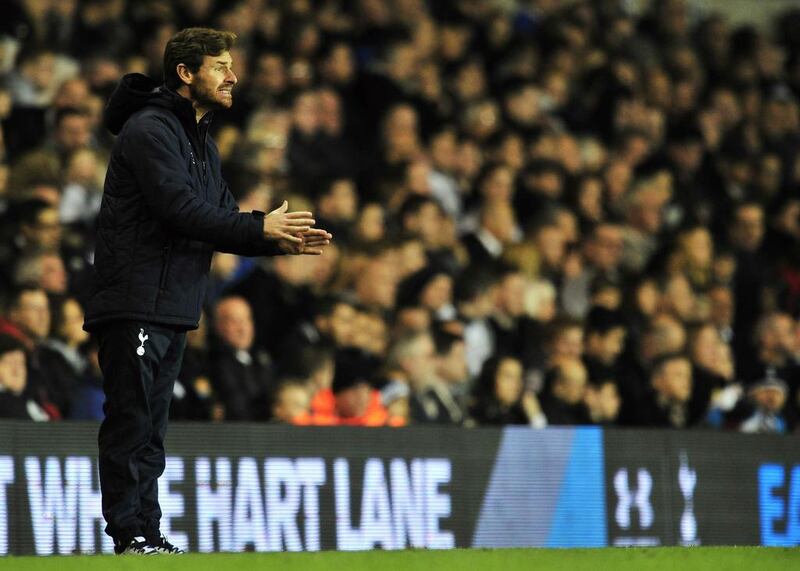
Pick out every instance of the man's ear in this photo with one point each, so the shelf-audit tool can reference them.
(184, 73)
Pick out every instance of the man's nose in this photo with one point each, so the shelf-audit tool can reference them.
(231, 77)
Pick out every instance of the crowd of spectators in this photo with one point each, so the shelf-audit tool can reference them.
(544, 212)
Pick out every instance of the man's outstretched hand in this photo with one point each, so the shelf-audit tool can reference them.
(312, 242)
(287, 226)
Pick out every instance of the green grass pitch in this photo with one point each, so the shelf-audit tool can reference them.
(613, 559)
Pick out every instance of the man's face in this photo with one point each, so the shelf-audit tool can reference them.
(74, 132)
(13, 371)
(721, 299)
(749, 228)
(571, 385)
(271, 74)
(569, 343)
(674, 381)
(552, 245)
(512, 295)
(235, 323)
(340, 65)
(770, 399)
(607, 245)
(54, 275)
(421, 367)
(46, 231)
(508, 382)
(611, 344)
(32, 313)
(213, 83)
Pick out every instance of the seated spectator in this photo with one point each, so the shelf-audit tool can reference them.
(500, 398)
(44, 269)
(473, 295)
(565, 389)
(767, 400)
(412, 361)
(314, 366)
(240, 374)
(605, 339)
(565, 339)
(666, 405)
(15, 399)
(357, 403)
(51, 378)
(67, 334)
(431, 289)
(451, 361)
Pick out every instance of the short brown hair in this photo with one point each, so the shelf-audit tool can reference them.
(189, 46)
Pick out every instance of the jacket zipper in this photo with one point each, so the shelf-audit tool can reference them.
(194, 163)
(162, 282)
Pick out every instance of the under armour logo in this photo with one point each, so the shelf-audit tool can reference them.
(638, 498)
(142, 339)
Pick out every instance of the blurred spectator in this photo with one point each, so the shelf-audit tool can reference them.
(357, 403)
(474, 293)
(500, 397)
(66, 333)
(15, 399)
(604, 342)
(666, 404)
(412, 361)
(565, 391)
(241, 375)
(51, 378)
(767, 398)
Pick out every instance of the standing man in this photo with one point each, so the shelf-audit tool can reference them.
(165, 210)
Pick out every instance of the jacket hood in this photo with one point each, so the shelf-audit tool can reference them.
(136, 91)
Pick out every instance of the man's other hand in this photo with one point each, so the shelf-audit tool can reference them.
(286, 226)
(311, 242)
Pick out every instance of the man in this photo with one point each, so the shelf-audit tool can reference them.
(563, 401)
(15, 398)
(667, 403)
(356, 402)
(241, 375)
(51, 379)
(165, 209)
(605, 340)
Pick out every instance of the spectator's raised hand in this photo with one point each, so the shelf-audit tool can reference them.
(287, 226)
(311, 242)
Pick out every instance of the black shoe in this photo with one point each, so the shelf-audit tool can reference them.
(165, 547)
(136, 546)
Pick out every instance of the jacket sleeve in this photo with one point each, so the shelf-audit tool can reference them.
(258, 248)
(151, 151)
